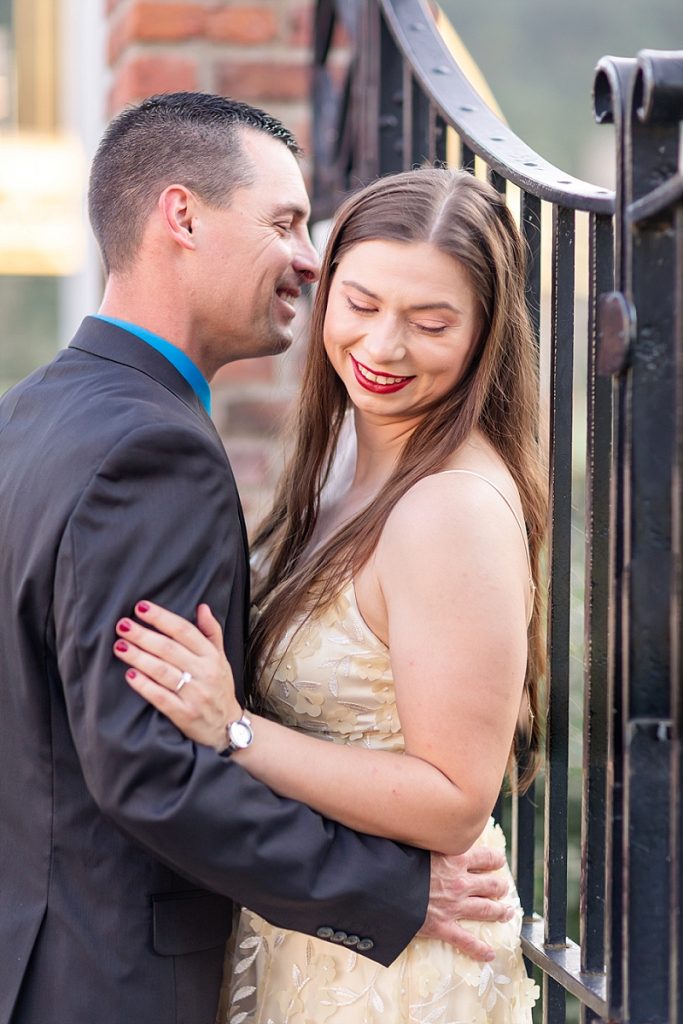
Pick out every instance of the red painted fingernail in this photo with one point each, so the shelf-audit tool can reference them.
(131, 673)
(124, 625)
(142, 607)
(121, 645)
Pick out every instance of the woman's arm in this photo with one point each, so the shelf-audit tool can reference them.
(453, 575)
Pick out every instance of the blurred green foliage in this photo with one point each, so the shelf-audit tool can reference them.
(538, 58)
(29, 311)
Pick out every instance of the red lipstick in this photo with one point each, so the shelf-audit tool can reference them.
(378, 387)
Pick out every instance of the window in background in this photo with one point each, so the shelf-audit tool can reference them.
(41, 174)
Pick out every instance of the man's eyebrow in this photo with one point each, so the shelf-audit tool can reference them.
(293, 209)
(418, 308)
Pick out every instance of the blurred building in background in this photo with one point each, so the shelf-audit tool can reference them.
(52, 80)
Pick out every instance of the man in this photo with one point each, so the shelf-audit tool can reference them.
(122, 843)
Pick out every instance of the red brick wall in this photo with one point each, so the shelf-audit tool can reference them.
(258, 52)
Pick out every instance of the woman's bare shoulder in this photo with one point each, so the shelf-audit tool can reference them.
(474, 474)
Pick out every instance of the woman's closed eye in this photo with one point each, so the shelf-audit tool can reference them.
(433, 328)
(358, 308)
(430, 328)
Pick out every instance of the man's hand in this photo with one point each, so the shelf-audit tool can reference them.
(465, 887)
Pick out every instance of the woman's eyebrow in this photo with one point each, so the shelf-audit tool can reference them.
(365, 291)
(437, 305)
(420, 307)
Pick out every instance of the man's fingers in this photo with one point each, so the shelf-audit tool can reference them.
(489, 887)
(482, 858)
(477, 909)
(468, 944)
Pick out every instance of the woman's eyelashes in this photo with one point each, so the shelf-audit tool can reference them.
(359, 309)
(431, 330)
(425, 328)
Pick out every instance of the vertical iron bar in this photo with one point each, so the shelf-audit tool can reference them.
(439, 139)
(596, 603)
(466, 158)
(408, 89)
(497, 180)
(410, 113)
(621, 73)
(419, 137)
(614, 935)
(648, 738)
(677, 645)
(554, 1002)
(530, 218)
(365, 98)
(557, 730)
(524, 845)
(498, 811)
(431, 134)
(391, 98)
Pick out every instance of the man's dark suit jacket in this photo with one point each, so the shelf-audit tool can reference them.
(121, 842)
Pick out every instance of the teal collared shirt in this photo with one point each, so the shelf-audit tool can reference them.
(183, 364)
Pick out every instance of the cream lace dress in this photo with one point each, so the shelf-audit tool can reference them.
(332, 678)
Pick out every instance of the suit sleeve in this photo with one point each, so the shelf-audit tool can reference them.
(159, 520)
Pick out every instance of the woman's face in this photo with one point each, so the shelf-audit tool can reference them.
(400, 326)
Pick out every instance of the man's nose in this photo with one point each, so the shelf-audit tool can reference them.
(306, 261)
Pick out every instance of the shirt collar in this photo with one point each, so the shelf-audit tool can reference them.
(182, 362)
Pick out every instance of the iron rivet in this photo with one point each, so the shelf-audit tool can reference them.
(616, 328)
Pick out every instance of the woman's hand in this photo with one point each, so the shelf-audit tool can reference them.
(181, 669)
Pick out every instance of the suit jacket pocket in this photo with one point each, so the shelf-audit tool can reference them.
(188, 922)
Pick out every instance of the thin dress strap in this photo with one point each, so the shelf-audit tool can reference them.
(520, 524)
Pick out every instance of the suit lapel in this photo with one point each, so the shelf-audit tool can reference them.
(108, 341)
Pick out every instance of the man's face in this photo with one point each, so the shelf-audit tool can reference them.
(254, 256)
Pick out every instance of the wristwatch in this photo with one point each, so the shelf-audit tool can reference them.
(239, 734)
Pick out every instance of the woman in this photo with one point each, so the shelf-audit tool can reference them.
(397, 601)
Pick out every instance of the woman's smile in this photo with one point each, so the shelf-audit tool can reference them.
(378, 383)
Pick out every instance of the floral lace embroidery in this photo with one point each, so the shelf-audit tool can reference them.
(332, 678)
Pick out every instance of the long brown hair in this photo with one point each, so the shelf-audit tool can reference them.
(466, 219)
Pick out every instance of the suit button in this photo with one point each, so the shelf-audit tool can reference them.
(351, 940)
(364, 945)
(325, 933)
(339, 937)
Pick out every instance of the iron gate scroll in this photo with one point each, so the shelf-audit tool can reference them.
(404, 101)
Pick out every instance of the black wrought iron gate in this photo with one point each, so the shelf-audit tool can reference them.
(402, 102)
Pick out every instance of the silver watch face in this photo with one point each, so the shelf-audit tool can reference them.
(240, 734)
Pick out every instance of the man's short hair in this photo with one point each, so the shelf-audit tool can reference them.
(184, 138)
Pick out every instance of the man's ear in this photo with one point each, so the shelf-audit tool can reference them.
(177, 208)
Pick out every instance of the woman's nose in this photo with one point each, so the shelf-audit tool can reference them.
(384, 341)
